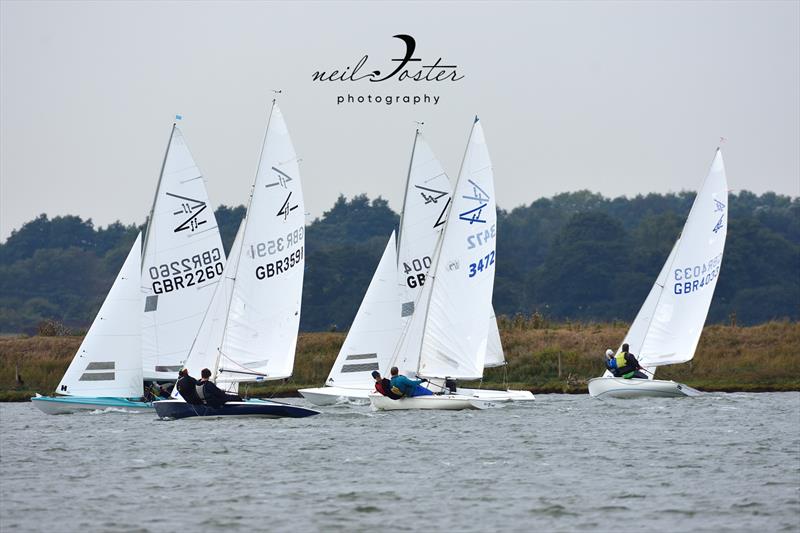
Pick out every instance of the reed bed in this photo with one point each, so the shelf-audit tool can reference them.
(542, 357)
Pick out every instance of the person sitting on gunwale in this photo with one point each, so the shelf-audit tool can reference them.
(405, 387)
(186, 385)
(383, 385)
(627, 366)
(210, 393)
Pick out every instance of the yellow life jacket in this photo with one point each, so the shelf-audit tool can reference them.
(620, 358)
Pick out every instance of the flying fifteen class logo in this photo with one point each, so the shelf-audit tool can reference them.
(285, 209)
(719, 207)
(430, 195)
(481, 198)
(282, 177)
(191, 207)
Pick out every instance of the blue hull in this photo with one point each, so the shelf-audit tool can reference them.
(60, 405)
(175, 409)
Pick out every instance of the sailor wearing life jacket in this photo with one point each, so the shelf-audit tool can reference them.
(624, 364)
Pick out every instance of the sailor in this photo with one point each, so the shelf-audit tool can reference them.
(210, 393)
(383, 385)
(402, 386)
(186, 387)
(627, 365)
(611, 363)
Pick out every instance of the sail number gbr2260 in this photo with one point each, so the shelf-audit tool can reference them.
(186, 272)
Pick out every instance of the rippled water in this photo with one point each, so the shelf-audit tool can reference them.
(719, 462)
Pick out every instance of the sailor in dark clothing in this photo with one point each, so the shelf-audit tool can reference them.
(186, 387)
(210, 393)
(384, 386)
(627, 365)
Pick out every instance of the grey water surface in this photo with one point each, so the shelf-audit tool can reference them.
(721, 462)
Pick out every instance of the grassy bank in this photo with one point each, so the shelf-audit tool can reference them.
(541, 357)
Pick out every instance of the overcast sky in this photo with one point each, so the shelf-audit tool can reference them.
(619, 98)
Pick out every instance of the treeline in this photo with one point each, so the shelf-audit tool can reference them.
(576, 256)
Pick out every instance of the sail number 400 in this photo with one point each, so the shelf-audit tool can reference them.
(280, 266)
(420, 266)
(482, 264)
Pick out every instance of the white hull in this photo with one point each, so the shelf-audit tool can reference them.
(638, 388)
(449, 402)
(334, 395)
(498, 395)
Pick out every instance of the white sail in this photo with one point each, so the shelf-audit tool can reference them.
(108, 362)
(668, 327)
(494, 348)
(205, 351)
(260, 334)
(183, 260)
(375, 331)
(456, 329)
(425, 206)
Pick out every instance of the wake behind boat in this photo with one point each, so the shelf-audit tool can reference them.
(669, 324)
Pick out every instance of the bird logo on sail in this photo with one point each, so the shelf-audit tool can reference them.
(443, 215)
(285, 209)
(433, 195)
(481, 198)
(191, 207)
(282, 177)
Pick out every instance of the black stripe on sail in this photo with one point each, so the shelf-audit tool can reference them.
(357, 356)
(363, 367)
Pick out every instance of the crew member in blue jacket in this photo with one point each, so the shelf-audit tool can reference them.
(405, 387)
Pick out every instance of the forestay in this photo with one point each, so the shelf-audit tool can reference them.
(260, 334)
(668, 326)
(108, 361)
(459, 293)
(372, 337)
(183, 260)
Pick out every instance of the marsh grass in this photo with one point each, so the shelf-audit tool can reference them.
(763, 357)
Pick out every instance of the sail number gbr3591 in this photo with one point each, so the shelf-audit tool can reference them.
(289, 251)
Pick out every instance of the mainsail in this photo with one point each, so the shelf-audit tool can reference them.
(668, 326)
(182, 262)
(250, 330)
(108, 363)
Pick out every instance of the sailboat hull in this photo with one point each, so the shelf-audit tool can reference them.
(175, 409)
(638, 388)
(62, 405)
(334, 395)
(498, 395)
(448, 402)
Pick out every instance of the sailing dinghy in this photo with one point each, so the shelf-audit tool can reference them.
(447, 336)
(669, 324)
(249, 332)
(391, 297)
(106, 372)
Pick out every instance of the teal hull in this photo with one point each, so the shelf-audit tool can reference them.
(71, 404)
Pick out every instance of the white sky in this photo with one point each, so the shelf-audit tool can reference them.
(620, 98)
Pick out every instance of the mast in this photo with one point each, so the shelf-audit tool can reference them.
(244, 232)
(155, 196)
(405, 195)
